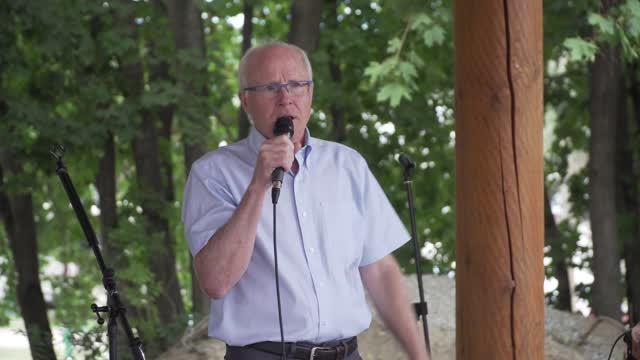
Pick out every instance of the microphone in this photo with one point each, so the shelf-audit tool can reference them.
(283, 126)
(408, 166)
(406, 162)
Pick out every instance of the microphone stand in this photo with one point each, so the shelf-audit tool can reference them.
(420, 307)
(114, 307)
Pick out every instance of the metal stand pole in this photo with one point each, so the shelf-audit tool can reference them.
(420, 307)
(114, 307)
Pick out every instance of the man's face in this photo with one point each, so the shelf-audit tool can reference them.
(277, 65)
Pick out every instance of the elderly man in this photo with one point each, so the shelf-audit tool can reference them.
(335, 230)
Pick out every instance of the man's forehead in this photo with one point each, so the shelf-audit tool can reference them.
(275, 51)
(277, 60)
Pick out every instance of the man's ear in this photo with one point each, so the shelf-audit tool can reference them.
(243, 100)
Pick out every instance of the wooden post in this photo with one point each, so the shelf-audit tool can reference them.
(499, 179)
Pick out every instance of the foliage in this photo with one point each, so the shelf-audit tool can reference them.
(620, 26)
(574, 33)
(398, 73)
(61, 79)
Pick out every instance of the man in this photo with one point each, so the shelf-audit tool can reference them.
(335, 229)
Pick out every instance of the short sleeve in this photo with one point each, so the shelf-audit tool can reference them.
(207, 206)
(385, 232)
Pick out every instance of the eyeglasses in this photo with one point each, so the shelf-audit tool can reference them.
(295, 88)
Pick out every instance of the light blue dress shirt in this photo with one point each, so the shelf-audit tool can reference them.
(332, 218)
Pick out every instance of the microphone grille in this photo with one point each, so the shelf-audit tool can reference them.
(406, 162)
(284, 125)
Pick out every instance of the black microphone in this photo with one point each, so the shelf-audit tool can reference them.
(283, 126)
(406, 162)
(408, 166)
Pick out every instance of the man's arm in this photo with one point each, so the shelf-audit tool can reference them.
(221, 263)
(386, 287)
(224, 259)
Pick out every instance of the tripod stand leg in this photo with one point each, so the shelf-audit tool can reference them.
(112, 335)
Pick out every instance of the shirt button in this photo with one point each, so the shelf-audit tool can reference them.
(312, 250)
(304, 214)
(321, 283)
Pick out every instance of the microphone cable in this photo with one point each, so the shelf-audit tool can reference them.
(614, 344)
(275, 257)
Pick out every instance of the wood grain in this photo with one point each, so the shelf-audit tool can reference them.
(499, 174)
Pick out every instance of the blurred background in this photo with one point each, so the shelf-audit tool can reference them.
(138, 90)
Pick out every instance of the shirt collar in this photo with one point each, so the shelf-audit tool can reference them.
(256, 139)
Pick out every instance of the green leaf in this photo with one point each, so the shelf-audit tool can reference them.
(435, 35)
(580, 50)
(393, 93)
(407, 70)
(631, 9)
(373, 71)
(421, 20)
(603, 24)
(415, 59)
(394, 45)
(627, 48)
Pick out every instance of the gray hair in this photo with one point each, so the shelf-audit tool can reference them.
(242, 69)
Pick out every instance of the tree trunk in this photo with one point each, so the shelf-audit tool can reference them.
(162, 255)
(17, 215)
(159, 73)
(305, 24)
(560, 268)
(339, 129)
(166, 126)
(106, 185)
(188, 31)
(247, 33)
(625, 183)
(113, 253)
(499, 179)
(187, 27)
(604, 111)
(151, 180)
(632, 245)
(16, 212)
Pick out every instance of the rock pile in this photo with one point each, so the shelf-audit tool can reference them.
(567, 336)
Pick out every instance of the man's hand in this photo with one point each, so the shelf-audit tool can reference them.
(274, 153)
(635, 341)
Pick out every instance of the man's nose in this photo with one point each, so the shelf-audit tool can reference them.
(284, 96)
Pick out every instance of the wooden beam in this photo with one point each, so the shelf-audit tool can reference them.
(499, 179)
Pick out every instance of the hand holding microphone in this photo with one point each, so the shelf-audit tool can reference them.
(275, 152)
(283, 126)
